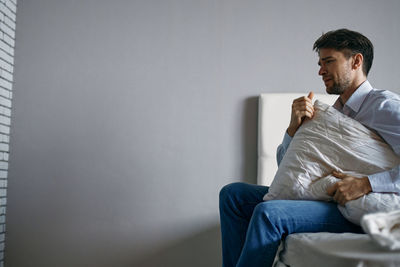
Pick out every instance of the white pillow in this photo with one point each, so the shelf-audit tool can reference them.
(333, 141)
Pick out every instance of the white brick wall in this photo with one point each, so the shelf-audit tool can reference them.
(8, 9)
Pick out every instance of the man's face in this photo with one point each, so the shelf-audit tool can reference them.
(335, 70)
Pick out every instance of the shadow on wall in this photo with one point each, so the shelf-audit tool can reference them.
(249, 141)
(199, 250)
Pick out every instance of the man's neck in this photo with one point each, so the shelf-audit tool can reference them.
(352, 88)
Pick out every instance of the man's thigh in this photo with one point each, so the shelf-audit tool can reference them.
(297, 216)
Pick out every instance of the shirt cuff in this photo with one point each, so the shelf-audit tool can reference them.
(382, 182)
(286, 140)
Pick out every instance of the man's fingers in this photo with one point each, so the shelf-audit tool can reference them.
(332, 189)
(339, 199)
(302, 114)
(301, 106)
(308, 114)
(310, 96)
(310, 109)
(339, 175)
(303, 99)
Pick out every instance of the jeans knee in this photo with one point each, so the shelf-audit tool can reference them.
(267, 210)
(230, 190)
(260, 209)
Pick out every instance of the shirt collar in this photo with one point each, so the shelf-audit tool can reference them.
(357, 98)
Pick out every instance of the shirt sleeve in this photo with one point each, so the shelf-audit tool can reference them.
(386, 121)
(281, 151)
(387, 181)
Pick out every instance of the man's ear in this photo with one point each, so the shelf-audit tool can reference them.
(358, 60)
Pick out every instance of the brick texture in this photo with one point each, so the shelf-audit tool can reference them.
(8, 9)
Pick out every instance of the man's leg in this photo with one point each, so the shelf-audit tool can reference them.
(236, 204)
(276, 218)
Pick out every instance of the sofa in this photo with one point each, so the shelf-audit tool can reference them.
(309, 249)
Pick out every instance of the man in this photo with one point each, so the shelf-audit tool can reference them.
(252, 229)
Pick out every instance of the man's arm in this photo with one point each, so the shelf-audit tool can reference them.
(302, 108)
(385, 119)
(281, 150)
(348, 188)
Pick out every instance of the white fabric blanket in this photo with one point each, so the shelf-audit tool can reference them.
(384, 228)
(333, 141)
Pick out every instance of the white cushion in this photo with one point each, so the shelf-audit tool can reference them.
(333, 141)
(333, 249)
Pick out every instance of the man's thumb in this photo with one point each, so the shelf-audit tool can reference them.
(310, 95)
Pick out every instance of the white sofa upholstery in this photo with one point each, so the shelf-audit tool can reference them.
(310, 249)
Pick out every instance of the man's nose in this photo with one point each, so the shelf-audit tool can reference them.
(322, 71)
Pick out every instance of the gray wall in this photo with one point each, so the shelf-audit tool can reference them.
(129, 116)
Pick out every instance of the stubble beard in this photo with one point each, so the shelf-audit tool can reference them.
(339, 87)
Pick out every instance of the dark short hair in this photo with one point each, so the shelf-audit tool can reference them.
(350, 43)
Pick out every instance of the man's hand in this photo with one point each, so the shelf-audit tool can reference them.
(348, 188)
(302, 108)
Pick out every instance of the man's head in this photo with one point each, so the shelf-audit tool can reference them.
(345, 59)
(350, 43)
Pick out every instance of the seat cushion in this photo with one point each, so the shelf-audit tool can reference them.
(332, 250)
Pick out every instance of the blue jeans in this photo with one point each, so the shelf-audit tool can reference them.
(252, 229)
